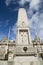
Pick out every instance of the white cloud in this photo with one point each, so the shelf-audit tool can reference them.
(34, 4)
(41, 21)
(22, 2)
(36, 20)
(7, 2)
(37, 24)
(41, 34)
(12, 33)
(34, 25)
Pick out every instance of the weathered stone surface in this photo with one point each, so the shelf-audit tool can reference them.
(22, 51)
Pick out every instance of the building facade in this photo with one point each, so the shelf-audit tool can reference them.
(22, 51)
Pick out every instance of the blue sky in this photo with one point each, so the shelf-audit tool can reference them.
(9, 13)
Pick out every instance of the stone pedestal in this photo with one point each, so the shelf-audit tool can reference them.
(26, 60)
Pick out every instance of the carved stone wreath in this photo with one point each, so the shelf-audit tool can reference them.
(25, 49)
